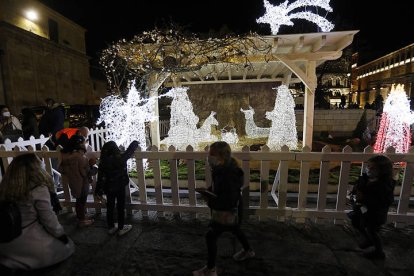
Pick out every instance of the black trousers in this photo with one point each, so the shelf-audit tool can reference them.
(120, 206)
(214, 233)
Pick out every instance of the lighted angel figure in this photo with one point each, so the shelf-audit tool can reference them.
(283, 14)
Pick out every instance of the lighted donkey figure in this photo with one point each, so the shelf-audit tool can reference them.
(203, 134)
(252, 130)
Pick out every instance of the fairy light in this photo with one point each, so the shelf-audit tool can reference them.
(394, 130)
(125, 118)
(230, 136)
(283, 129)
(252, 130)
(203, 134)
(283, 14)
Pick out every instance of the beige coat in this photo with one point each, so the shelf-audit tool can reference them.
(37, 246)
(74, 168)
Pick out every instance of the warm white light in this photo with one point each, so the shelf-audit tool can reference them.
(230, 137)
(252, 130)
(283, 130)
(183, 123)
(32, 15)
(283, 14)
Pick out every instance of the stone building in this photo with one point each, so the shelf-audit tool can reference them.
(42, 54)
(376, 77)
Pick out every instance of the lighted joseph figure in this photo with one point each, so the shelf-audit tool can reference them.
(394, 130)
(183, 122)
(125, 119)
(283, 129)
(283, 14)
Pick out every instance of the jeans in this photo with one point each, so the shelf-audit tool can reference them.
(120, 205)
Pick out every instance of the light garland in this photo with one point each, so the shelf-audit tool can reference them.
(203, 134)
(230, 136)
(125, 118)
(252, 130)
(394, 130)
(277, 16)
(283, 129)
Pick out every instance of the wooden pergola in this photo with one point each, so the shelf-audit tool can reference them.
(277, 58)
(294, 59)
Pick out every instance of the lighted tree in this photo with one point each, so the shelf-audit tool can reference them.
(394, 130)
(183, 122)
(283, 129)
(125, 118)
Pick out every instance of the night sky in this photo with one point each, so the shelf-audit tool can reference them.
(383, 27)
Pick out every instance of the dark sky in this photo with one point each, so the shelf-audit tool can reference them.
(384, 27)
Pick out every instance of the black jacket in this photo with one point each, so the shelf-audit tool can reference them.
(227, 183)
(112, 171)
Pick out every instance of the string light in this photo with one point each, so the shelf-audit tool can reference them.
(125, 118)
(394, 130)
(252, 130)
(277, 16)
(229, 136)
(283, 129)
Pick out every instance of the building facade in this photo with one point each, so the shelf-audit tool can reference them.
(376, 77)
(42, 54)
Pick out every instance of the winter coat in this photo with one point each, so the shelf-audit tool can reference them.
(227, 183)
(37, 246)
(376, 196)
(75, 167)
(112, 171)
(52, 121)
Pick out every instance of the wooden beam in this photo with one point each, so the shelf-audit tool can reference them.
(275, 44)
(320, 42)
(309, 82)
(229, 72)
(298, 45)
(344, 42)
(262, 69)
(245, 70)
(294, 80)
(309, 105)
(277, 70)
(287, 78)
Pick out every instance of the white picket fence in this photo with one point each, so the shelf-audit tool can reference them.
(270, 200)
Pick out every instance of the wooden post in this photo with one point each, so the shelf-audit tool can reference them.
(309, 106)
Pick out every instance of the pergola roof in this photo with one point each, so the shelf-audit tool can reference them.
(288, 60)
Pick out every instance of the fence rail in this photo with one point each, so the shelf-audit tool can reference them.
(264, 199)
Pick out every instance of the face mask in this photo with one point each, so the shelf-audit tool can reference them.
(6, 114)
(370, 173)
(43, 165)
(212, 161)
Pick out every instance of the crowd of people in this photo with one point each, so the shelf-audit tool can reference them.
(43, 241)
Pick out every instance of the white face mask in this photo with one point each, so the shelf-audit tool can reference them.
(6, 114)
(43, 165)
(212, 161)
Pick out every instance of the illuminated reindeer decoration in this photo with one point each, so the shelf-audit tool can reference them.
(283, 14)
(252, 130)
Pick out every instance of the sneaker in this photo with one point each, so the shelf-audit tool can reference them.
(244, 255)
(374, 254)
(85, 222)
(204, 271)
(113, 230)
(126, 229)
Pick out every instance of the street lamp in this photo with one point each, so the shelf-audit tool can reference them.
(32, 15)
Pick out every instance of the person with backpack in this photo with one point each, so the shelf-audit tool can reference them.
(224, 200)
(373, 195)
(112, 180)
(31, 236)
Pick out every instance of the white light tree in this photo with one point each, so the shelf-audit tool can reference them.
(125, 118)
(394, 130)
(283, 14)
(183, 122)
(283, 129)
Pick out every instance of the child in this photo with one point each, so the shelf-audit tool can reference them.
(225, 204)
(373, 197)
(75, 166)
(112, 179)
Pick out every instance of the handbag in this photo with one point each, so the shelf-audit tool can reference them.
(228, 218)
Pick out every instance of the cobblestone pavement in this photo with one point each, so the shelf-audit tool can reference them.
(176, 246)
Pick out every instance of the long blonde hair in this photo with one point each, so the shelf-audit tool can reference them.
(23, 175)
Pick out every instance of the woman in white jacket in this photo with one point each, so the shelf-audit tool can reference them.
(43, 241)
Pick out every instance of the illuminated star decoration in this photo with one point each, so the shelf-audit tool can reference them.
(394, 130)
(283, 129)
(283, 14)
(125, 118)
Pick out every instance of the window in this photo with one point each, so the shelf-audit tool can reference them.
(53, 31)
